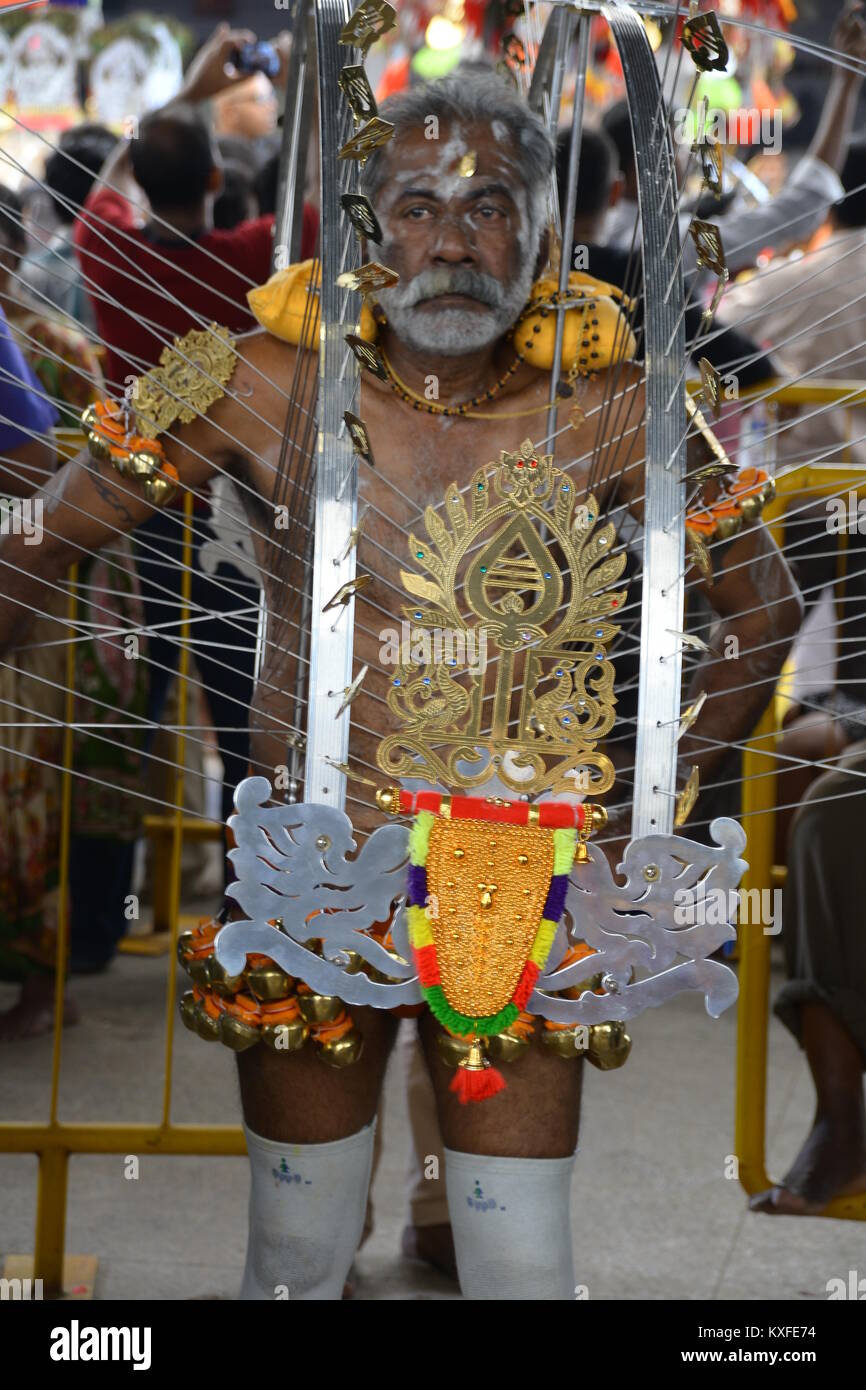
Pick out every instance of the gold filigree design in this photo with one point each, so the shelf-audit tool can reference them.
(487, 906)
(517, 577)
(191, 376)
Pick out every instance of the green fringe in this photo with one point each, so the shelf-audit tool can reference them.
(458, 1023)
(419, 837)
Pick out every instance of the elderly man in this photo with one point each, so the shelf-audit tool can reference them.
(463, 221)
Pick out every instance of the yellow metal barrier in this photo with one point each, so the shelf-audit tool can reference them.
(758, 801)
(54, 1141)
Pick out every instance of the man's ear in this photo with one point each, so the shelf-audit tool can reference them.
(215, 180)
(543, 253)
(617, 189)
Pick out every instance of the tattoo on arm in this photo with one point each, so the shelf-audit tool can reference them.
(109, 495)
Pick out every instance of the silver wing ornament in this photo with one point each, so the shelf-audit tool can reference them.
(653, 933)
(299, 865)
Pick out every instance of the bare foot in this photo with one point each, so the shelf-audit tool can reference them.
(34, 1012)
(432, 1244)
(831, 1163)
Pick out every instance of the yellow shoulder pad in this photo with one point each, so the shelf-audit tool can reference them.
(596, 331)
(287, 307)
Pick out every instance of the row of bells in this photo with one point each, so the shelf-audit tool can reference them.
(268, 984)
(606, 1045)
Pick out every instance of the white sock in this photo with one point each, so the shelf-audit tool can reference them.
(307, 1205)
(511, 1224)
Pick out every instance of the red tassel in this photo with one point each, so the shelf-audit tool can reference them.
(470, 1083)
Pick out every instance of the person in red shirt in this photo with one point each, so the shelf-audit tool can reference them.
(153, 264)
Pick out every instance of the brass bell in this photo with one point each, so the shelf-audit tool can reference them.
(452, 1050)
(143, 463)
(581, 853)
(184, 945)
(563, 1042)
(768, 491)
(751, 507)
(268, 982)
(206, 1026)
(221, 983)
(609, 1046)
(159, 490)
(344, 1051)
(320, 1008)
(599, 817)
(198, 969)
(187, 1010)
(285, 1037)
(727, 526)
(236, 1034)
(507, 1046)
(475, 1060)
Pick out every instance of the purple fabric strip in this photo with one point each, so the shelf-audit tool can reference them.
(555, 905)
(418, 885)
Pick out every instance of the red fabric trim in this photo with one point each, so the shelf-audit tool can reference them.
(526, 984)
(552, 814)
(428, 966)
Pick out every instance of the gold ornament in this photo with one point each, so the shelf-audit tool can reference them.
(700, 555)
(690, 715)
(704, 41)
(481, 953)
(344, 1051)
(355, 86)
(359, 436)
(711, 386)
(452, 1049)
(369, 21)
(320, 1008)
(285, 1037)
(187, 1011)
(347, 591)
(369, 138)
(609, 1046)
(206, 1025)
(268, 982)
(708, 245)
(687, 798)
(236, 1034)
(563, 1041)
(507, 1046)
(533, 571)
(468, 165)
(359, 211)
(368, 278)
(191, 375)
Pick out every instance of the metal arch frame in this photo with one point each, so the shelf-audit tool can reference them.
(659, 691)
(336, 486)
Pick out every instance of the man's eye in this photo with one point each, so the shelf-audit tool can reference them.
(489, 212)
(417, 213)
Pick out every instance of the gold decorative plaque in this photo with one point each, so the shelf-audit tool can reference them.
(517, 580)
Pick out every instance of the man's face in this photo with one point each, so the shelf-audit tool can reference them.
(460, 242)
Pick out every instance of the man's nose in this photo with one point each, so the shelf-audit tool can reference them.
(454, 244)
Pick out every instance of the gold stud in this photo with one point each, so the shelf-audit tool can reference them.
(458, 853)
(523, 858)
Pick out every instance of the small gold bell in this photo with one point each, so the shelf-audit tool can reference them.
(206, 1026)
(452, 1050)
(609, 1046)
(507, 1046)
(221, 983)
(562, 1041)
(184, 944)
(268, 982)
(187, 1011)
(475, 1060)
(344, 1051)
(236, 1034)
(198, 969)
(320, 1008)
(285, 1037)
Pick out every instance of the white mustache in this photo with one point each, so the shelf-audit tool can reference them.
(433, 284)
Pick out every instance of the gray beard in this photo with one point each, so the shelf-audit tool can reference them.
(447, 331)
